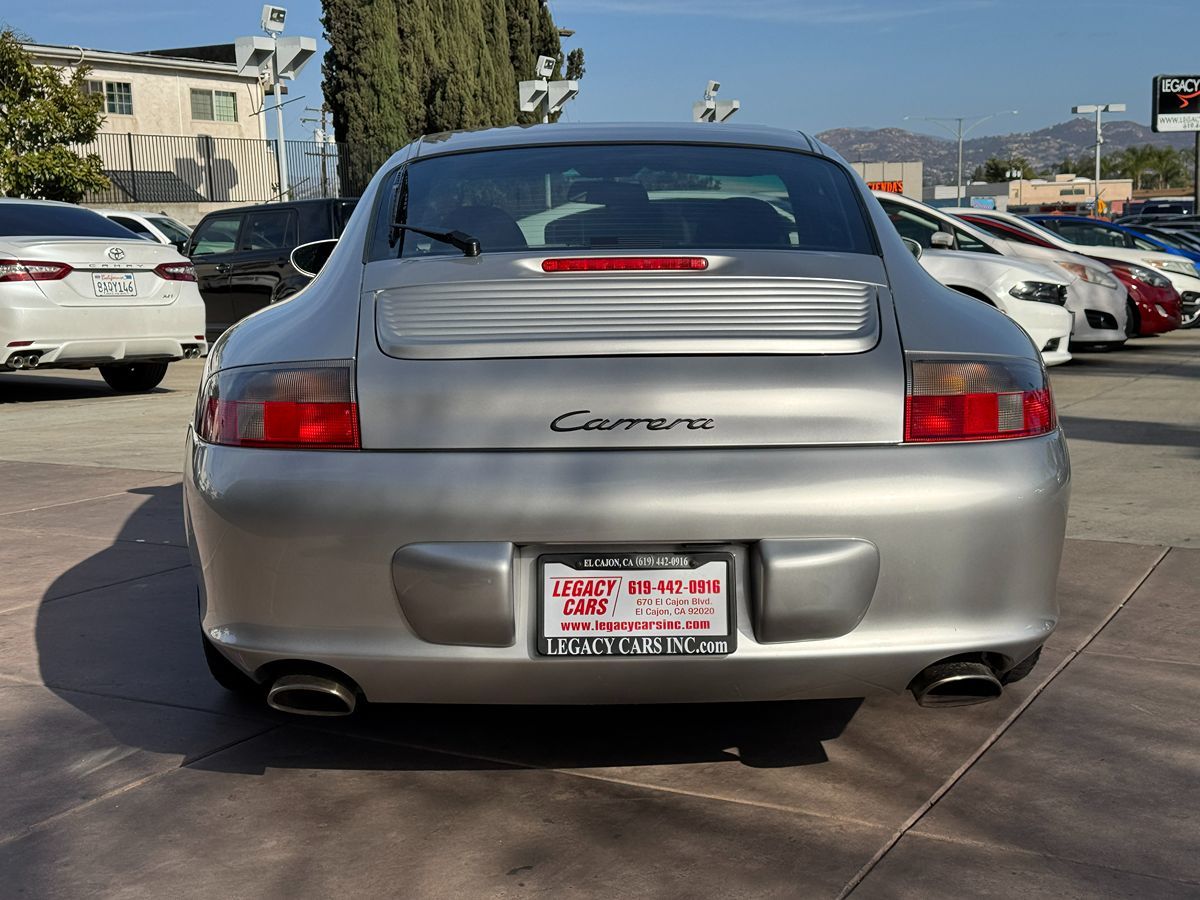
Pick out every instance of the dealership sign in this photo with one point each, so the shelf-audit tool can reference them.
(1176, 103)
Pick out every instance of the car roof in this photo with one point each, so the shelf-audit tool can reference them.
(15, 200)
(580, 133)
(255, 207)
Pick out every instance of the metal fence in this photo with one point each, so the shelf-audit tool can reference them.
(163, 168)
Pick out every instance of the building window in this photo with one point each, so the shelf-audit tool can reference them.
(214, 106)
(118, 98)
(118, 95)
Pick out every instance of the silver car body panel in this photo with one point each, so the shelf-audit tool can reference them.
(857, 560)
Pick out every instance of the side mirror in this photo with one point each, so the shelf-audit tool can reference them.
(913, 247)
(943, 240)
(181, 246)
(309, 259)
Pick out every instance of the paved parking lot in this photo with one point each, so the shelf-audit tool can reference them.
(128, 773)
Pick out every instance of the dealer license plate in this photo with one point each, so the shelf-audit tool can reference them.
(114, 284)
(636, 604)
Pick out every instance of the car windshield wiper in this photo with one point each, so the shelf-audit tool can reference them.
(468, 244)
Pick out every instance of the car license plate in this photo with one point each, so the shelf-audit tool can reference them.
(636, 604)
(114, 284)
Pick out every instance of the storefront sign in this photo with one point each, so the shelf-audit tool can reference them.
(1176, 103)
(888, 187)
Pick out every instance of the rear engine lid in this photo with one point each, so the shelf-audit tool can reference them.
(103, 271)
(758, 349)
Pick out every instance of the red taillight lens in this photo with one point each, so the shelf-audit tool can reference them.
(626, 264)
(180, 271)
(31, 270)
(281, 407)
(977, 401)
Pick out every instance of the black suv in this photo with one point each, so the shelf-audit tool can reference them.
(242, 255)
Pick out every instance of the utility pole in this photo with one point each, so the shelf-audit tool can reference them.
(1098, 109)
(959, 133)
(322, 136)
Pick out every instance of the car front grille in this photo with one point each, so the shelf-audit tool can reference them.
(613, 315)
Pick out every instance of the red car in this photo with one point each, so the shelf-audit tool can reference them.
(1155, 306)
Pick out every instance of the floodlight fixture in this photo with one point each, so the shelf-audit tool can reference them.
(559, 93)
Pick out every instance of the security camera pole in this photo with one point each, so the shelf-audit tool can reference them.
(554, 95)
(286, 57)
(1098, 108)
(710, 109)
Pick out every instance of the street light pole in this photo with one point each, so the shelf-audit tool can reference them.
(959, 133)
(1098, 109)
(280, 144)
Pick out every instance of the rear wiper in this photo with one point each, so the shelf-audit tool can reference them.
(466, 243)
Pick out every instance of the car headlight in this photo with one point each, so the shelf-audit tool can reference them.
(1178, 266)
(1091, 274)
(1040, 291)
(1147, 276)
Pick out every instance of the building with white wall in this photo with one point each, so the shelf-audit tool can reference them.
(156, 93)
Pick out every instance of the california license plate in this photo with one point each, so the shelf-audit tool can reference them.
(636, 604)
(114, 284)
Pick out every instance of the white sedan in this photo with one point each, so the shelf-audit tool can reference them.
(78, 291)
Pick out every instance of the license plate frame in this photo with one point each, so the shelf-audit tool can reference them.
(117, 279)
(648, 640)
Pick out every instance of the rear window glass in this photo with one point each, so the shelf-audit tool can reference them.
(632, 197)
(38, 220)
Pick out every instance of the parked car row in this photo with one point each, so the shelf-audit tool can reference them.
(1118, 283)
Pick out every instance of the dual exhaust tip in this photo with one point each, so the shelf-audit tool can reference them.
(24, 360)
(191, 352)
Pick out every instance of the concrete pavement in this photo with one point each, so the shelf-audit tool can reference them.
(129, 773)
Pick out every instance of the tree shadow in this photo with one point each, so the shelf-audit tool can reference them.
(140, 640)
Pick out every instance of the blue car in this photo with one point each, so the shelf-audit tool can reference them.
(1098, 233)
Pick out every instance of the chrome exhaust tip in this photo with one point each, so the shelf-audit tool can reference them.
(956, 684)
(16, 361)
(310, 695)
(32, 360)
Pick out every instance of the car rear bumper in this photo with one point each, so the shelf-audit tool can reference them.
(81, 336)
(296, 554)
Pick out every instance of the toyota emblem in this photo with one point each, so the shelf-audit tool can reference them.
(116, 253)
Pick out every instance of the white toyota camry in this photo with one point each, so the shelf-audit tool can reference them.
(78, 291)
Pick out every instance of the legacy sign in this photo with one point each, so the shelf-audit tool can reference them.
(1176, 103)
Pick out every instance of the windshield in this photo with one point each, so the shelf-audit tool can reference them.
(51, 220)
(633, 197)
(172, 229)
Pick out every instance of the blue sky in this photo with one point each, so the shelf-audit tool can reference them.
(791, 63)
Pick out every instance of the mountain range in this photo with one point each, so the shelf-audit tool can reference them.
(1044, 148)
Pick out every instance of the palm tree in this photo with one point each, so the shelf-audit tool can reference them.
(1138, 161)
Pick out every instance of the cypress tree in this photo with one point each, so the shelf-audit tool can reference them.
(397, 69)
(362, 81)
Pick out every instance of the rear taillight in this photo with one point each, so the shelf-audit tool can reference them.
(975, 400)
(31, 270)
(625, 264)
(288, 407)
(175, 271)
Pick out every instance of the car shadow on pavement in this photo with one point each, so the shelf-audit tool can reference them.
(41, 388)
(1121, 431)
(138, 639)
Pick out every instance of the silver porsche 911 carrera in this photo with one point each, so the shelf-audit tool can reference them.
(623, 414)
